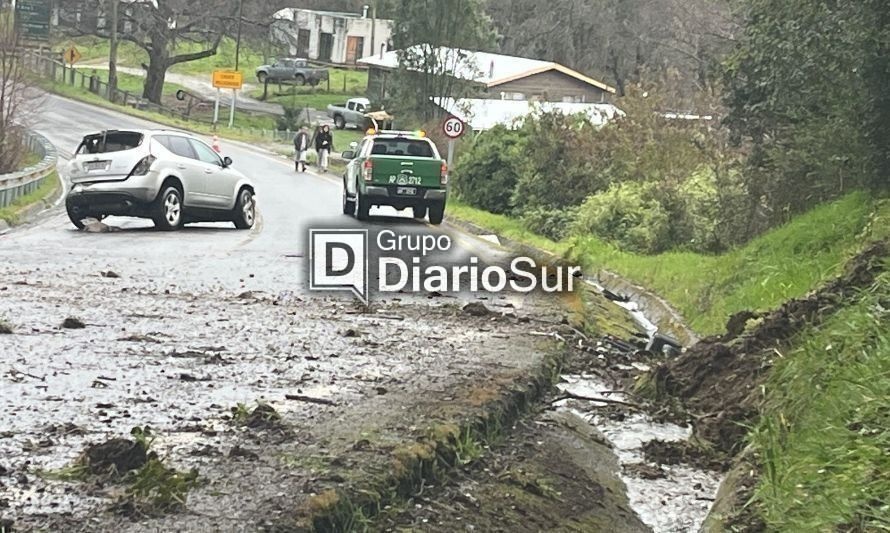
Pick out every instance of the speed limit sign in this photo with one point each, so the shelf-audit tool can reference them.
(453, 127)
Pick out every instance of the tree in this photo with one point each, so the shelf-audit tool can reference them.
(423, 29)
(159, 27)
(17, 101)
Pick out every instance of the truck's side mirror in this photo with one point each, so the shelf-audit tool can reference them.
(348, 154)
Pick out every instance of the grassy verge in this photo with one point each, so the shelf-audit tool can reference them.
(83, 95)
(12, 213)
(823, 437)
(784, 263)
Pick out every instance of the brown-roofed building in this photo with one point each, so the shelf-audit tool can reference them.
(500, 77)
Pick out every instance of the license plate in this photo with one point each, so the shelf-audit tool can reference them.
(96, 165)
(406, 191)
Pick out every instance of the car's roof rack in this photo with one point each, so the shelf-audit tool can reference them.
(397, 133)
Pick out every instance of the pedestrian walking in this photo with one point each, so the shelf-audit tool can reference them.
(216, 146)
(324, 144)
(301, 149)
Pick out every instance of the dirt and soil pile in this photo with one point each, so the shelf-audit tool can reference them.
(717, 379)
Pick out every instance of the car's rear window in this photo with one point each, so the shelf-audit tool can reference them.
(409, 147)
(112, 141)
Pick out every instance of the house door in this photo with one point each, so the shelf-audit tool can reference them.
(303, 43)
(325, 46)
(355, 47)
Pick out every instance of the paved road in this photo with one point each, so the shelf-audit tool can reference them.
(198, 321)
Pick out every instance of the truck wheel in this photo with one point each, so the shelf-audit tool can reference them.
(167, 210)
(362, 206)
(339, 122)
(419, 211)
(348, 205)
(437, 213)
(299, 79)
(261, 77)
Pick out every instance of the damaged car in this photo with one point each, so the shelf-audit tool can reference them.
(170, 177)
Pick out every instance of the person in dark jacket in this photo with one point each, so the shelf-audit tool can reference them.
(324, 145)
(301, 149)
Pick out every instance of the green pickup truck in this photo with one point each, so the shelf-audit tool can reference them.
(398, 169)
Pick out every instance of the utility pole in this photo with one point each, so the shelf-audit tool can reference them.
(112, 52)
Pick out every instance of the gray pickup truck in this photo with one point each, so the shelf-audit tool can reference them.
(352, 112)
(295, 71)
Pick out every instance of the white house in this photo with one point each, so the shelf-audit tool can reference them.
(330, 36)
(483, 114)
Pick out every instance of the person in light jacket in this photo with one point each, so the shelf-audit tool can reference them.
(301, 149)
(324, 145)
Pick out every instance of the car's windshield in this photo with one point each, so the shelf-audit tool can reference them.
(398, 146)
(106, 142)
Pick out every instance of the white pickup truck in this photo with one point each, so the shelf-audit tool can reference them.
(351, 113)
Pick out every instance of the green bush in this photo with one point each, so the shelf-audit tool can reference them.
(628, 214)
(715, 208)
(551, 223)
(485, 175)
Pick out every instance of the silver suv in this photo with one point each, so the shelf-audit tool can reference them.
(170, 177)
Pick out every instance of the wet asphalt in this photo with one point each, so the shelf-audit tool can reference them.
(182, 326)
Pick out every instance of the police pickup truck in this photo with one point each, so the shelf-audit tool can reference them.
(399, 169)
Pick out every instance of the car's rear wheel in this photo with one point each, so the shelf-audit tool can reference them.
(167, 210)
(362, 206)
(261, 77)
(339, 122)
(75, 215)
(348, 204)
(437, 213)
(419, 211)
(299, 79)
(245, 210)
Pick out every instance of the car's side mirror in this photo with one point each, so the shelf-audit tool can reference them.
(227, 161)
(348, 154)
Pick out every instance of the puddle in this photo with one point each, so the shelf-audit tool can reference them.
(677, 503)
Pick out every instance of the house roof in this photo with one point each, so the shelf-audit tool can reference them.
(289, 12)
(484, 67)
(483, 114)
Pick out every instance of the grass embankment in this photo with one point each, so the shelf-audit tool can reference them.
(344, 84)
(784, 263)
(242, 120)
(12, 213)
(823, 440)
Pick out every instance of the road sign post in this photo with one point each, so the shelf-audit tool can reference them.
(227, 79)
(453, 128)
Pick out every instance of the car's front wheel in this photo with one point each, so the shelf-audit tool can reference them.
(261, 77)
(299, 79)
(167, 210)
(245, 210)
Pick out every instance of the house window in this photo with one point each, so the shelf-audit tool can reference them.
(513, 96)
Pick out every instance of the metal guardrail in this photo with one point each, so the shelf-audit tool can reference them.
(17, 184)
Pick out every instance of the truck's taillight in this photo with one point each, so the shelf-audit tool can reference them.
(443, 178)
(143, 166)
(368, 170)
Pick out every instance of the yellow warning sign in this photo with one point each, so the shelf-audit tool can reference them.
(72, 55)
(227, 79)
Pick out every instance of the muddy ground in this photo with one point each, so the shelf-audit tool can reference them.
(137, 353)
